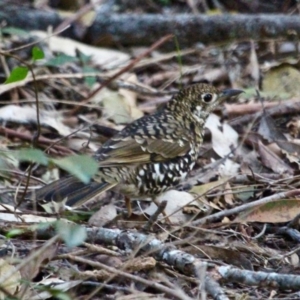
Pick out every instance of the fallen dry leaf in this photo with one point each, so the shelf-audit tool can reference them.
(273, 161)
(282, 81)
(176, 200)
(60, 285)
(284, 210)
(13, 283)
(104, 215)
(27, 115)
(32, 268)
(224, 137)
(100, 56)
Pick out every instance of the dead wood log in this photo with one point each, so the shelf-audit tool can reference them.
(136, 29)
(112, 29)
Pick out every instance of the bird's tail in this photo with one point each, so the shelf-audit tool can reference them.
(70, 191)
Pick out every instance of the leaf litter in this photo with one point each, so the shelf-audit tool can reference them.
(240, 162)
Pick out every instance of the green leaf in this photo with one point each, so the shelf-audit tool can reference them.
(63, 296)
(82, 166)
(17, 74)
(83, 57)
(14, 232)
(37, 53)
(164, 2)
(54, 291)
(91, 80)
(3, 162)
(43, 226)
(15, 31)
(34, 155)
(72, 234)
(60, 60)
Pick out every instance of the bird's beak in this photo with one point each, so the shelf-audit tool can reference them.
(230, 93)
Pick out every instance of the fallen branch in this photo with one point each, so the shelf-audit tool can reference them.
(285, 108)
(110, 28)
(234, 110)
(135, 29)
(281, 281)
(112, 272)
(138, 242)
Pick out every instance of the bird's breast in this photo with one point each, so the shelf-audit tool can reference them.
(156, 178)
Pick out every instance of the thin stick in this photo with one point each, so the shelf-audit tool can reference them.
(125, 69)
(240, 208)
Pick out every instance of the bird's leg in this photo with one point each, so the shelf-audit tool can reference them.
(163, 212)
(128, 206)
(153, 218)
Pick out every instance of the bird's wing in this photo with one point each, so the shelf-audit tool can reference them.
(140, 148)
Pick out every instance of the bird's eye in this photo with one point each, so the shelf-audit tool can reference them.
(207, 97)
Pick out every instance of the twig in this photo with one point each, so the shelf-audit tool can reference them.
(240, 208)
(26, 137)
(289, 107)
(83, 10)
(134, 241)
(145, 90)
(178, 294)
(125, 69)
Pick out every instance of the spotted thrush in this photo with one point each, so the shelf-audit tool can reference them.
(150, 155)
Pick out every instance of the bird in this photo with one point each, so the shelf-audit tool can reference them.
(148, 156)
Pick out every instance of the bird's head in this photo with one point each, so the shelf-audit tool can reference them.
(200, 99)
